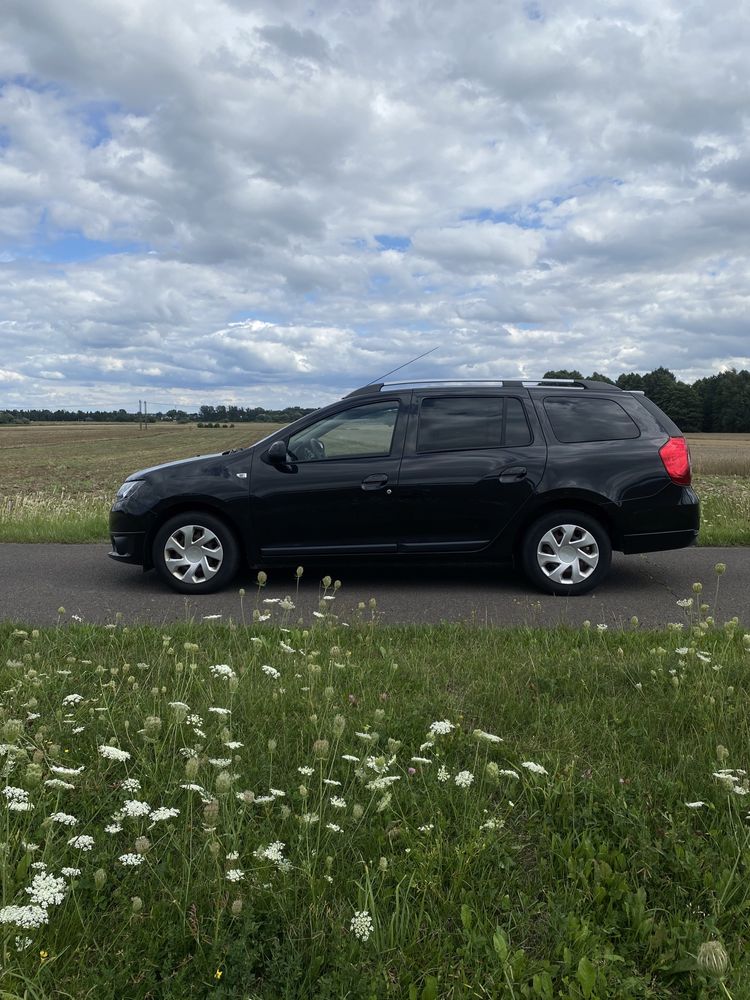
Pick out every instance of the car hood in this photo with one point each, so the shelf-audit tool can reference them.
(198, 464)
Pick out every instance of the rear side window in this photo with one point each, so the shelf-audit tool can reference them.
(463, 423)
(577, 419)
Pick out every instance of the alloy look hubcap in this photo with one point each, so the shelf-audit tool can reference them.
(567, 554)
(193, 554)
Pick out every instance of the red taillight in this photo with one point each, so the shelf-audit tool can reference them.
(676, 457)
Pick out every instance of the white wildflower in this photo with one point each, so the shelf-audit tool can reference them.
(234, 875)
(220, 711)
(65, 818)
(378, 784)
(113, 828)
(534, 768)
(26, 917)
(306, 771)
(72, 699)
(163, 813)
(480, 734)
(133, 808)
(114, 753)
(223, 671)
(333, 827)
(361, 925)
(70, 872)
(131, 860)
(464, 778)
(82, 843)
(46, 890)
(441, 727)
(271, 672)
(337, 802)
(695, 805)
(442, 774)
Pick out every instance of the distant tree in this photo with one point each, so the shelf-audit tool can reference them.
(658, 385)
(598, 377)
(726, 401)
(562, 373)
(684, 406)
(630, 381)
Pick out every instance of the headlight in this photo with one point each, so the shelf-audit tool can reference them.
(128, 489)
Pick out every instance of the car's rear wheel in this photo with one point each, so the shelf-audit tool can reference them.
(195, 553)
(566, 552)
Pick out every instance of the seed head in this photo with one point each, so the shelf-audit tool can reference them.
(713, 958)
(720, 569)
(136, 904)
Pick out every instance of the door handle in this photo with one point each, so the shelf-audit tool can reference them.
(513, 475)
(374, 482)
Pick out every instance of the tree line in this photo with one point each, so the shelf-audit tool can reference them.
(719, 403)
(205, 414)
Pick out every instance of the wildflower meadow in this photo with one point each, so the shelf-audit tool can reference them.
(330, 809)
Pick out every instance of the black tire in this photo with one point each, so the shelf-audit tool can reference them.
(566, 552)
(195, 553)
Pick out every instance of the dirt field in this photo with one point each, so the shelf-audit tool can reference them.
(95, 458)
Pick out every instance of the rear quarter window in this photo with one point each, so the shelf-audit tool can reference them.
(576, 419)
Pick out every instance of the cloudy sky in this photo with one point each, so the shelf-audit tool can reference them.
(271, 202)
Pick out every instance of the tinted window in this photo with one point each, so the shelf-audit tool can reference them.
(353, 433)
(458, 423)
(576, 419)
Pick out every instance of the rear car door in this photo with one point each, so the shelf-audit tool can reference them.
(336, 491)
(472, 459)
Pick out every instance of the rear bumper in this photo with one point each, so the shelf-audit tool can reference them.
(659, 541)
(668, 520)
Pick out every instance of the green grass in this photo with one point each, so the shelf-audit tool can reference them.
(592, 880)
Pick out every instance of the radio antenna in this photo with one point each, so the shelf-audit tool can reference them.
(394, 370)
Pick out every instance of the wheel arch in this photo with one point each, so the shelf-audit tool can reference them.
(585, 504)
(183, 506)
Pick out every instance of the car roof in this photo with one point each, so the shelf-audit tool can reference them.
(591, 385)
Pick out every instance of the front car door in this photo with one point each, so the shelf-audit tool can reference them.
(472, 459)
(336, 491)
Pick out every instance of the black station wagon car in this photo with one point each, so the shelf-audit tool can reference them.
(549, 475)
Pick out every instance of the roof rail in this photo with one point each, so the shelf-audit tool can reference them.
(595, 385)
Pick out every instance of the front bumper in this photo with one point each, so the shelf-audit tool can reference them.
(128, 547)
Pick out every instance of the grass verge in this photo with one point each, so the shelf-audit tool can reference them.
(275, 811)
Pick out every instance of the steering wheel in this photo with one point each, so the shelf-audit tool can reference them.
(311, 451)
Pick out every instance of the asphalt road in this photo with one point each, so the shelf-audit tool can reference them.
(35, 580)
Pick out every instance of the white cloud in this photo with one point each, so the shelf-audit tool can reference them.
(270, 202)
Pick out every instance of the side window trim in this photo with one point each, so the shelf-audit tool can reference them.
(401, 415)
(503, 426)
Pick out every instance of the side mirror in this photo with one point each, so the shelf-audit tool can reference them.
(277, 453)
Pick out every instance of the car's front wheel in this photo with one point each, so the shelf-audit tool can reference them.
(195, 553)
(566, 552)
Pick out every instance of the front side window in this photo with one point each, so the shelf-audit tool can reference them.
(358, 432)
(464, 423)
(577, 419)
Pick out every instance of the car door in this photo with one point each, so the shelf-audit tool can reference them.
(471, 461)
(335, 493)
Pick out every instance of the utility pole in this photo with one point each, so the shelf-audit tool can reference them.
(140, 426)
(145, 414)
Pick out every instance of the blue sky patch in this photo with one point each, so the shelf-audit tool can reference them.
(388, 242)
